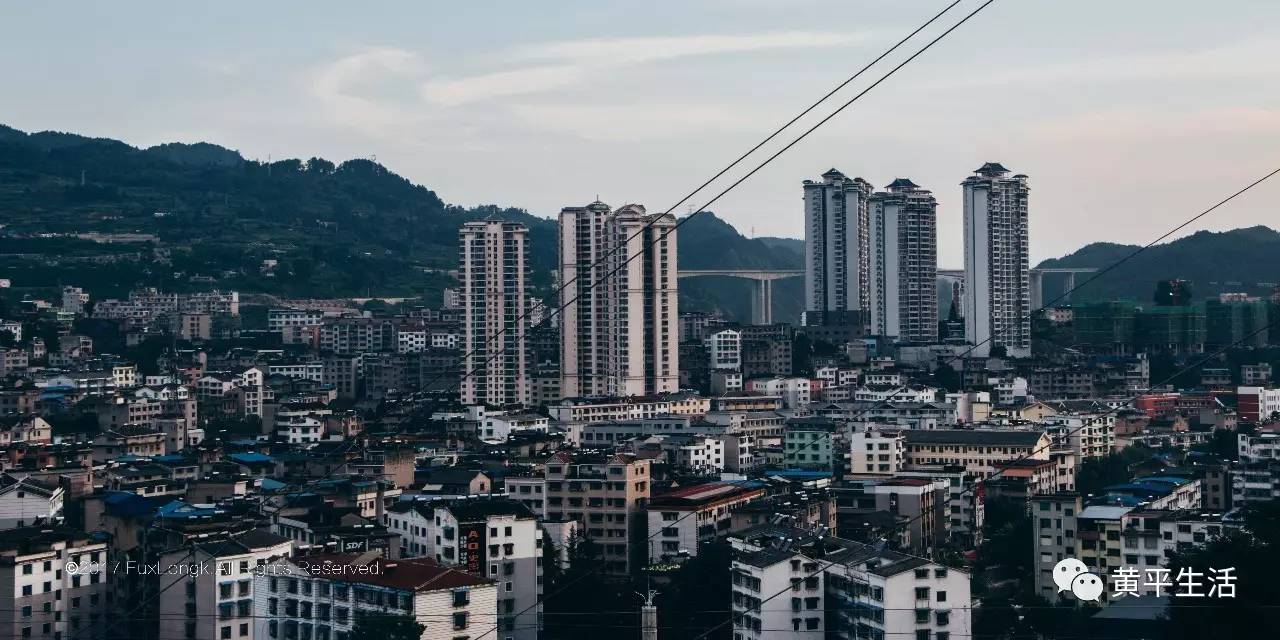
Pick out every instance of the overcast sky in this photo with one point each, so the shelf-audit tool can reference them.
(1128, 116)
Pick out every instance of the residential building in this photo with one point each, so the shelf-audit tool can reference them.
(796, 393)
(1257, 404)
(1263, 446)
(979, 451)
(42, 599)
(903, 254)
(28, 501)
(619, 322)
(74, 299)
(836, 243)
(494, 271)
(874, 451)
(1053, 517)
(997, 292)
(582, 410)
(842, 589)
(808, 443)
(681, 520)
(322, 597)
(501, 539)
(1255, 374)
(724, 350)
(607, 495)
(217, 603)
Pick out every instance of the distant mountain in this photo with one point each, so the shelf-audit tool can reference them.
(1242, 260)
(200, 154)
(201, 215)
(795, 245)
(708, 242)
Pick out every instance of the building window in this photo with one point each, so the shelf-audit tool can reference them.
(461, 598)
(460, 620)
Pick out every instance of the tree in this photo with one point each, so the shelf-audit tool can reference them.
(1255, 557)
(1094, 474)
(585, 601)
(698, 593)
(1007, 540)
(1223, 444)
(948, 379)
(379, 626)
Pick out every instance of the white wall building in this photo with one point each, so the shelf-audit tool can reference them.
(997, 291)
(494, 270)
(217, 597)
(28, 501)
(320, 597)
(796, 393)
(619, 323)
(44, 600)
(875, 451)
(724, 350)
(835, 588)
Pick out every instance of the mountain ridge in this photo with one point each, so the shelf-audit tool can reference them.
(1244, 260)
(200, 215)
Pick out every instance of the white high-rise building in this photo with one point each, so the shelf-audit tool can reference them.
(724, 350)
(997, 290)
(494, 271)
(836, 243)
(904, 263)
(619, 324)
(584, 308)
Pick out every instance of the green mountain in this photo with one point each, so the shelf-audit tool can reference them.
(109, 216)
(707, 242)
(1242, 260)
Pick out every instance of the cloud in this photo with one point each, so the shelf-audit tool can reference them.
(618, 51)
(347, 87)
(502, 83)
(638, 121)
(561, 64)
(1244, 59)
(1137, 124)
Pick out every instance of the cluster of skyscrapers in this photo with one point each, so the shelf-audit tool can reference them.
(618, 316)
(618, 322)
(871, 258)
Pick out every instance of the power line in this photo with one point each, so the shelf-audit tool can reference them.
(1029, 456)
(484, 365)
(564, 285)
(768, 160)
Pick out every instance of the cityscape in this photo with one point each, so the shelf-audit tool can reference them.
(283, 399)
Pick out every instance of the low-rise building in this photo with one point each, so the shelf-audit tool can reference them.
(828, 587)
(683, 519)
(322, 596)
(977, 450)
(40, 597)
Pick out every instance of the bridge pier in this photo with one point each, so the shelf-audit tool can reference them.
(761, 294)
(762, 302)
(1037, 289)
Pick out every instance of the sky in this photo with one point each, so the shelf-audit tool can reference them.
(1129, 117)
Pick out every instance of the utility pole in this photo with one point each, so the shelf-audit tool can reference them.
(648, 616)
